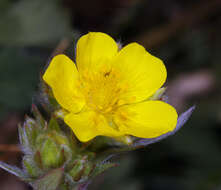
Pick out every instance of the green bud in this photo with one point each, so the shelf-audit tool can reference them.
(77, 171)
(54, 159)
(50, 154)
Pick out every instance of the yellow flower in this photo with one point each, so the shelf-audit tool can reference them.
(107, 94)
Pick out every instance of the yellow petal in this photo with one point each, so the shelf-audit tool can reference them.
(141, 73)
(88, 124)
(148, 119)
(62, 76)
(94, 51)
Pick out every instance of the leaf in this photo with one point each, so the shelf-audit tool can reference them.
(15, 171)
(50, 181)
(182, 119)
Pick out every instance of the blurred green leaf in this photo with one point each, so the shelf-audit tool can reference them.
(32, 22)
(19, 74)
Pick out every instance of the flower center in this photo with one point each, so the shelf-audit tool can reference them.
(102, 90)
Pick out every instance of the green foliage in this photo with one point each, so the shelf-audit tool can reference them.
(37, 28)
(50, 181)
(18, 78)
(53, 158)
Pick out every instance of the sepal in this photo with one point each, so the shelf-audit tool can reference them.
(31, 166)
(102, 167)
(158, 94)
(38, 117)
(15, 171)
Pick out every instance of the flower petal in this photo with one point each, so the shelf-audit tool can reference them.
(141, 73)
(148, 119)
(62, 76)
(94, 51)
(88, 124)
(182, 119)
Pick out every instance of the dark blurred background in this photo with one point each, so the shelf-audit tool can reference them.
(185, 34)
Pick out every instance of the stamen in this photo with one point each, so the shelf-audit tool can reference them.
(103, 90)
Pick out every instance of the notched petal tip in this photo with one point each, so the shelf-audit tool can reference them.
(143, 73)
(94, 50)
